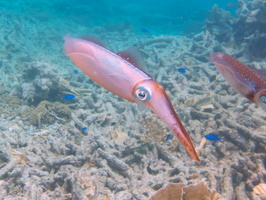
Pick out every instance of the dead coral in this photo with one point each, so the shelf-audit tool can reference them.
(85, 186)
(219, 23)
(38, 81)
(246, 29)
(115, 163)
(16, 159)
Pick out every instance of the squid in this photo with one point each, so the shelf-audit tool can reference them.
(248, 82)
(121, 74)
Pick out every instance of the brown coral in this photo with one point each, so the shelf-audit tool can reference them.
(48, 112)
(259, 191)
(180, 191)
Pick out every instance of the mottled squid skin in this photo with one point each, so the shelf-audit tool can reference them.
(243, 79)
(117, 74)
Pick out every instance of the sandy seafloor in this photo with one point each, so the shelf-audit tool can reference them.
(45, 154)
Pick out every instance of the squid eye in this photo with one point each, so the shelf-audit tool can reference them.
(143, 94)
(263, 99)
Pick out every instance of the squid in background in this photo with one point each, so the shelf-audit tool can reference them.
(120, 74)
(248, 82)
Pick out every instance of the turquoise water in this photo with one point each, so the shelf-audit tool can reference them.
(157, 17)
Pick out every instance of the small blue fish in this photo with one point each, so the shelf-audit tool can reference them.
(84, 128)
(212, 137)
(129, 133)
(181, 70)
(169, 137)
(76, 71)
(144, 30)
(69, 97)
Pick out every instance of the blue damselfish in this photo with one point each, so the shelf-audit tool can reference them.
(181, 70)
(69, 97)
(212, 137)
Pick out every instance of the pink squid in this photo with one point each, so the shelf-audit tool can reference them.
(248, 82)
(119, 73)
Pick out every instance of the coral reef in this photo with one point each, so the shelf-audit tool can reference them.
(122, 153)
(102, 147)
(245, 32)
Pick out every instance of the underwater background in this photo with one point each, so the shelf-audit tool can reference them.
(62, 136)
